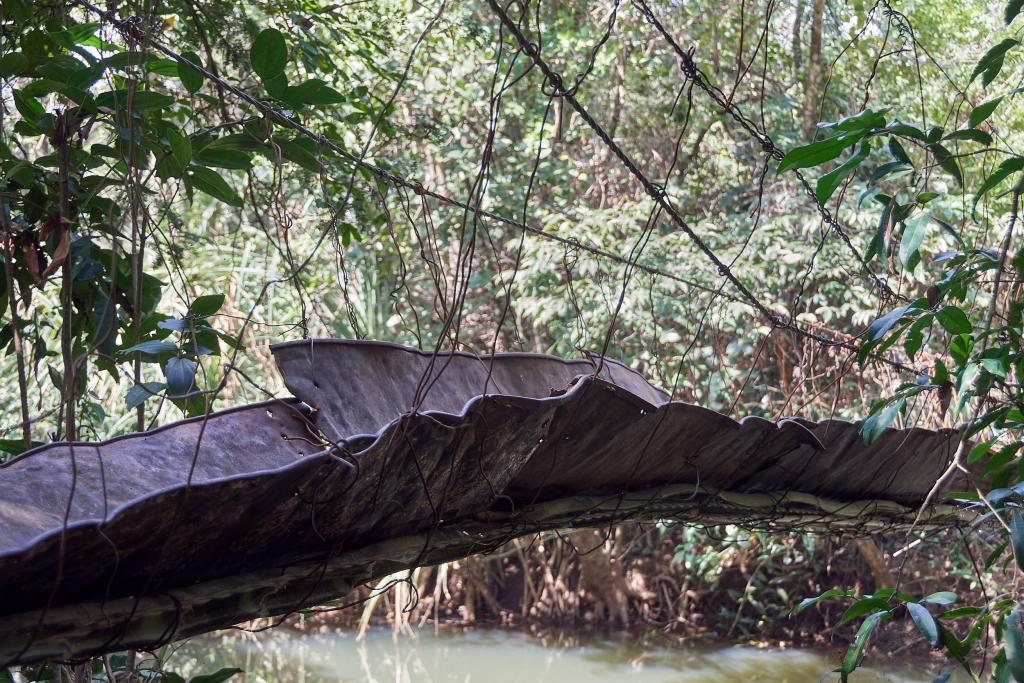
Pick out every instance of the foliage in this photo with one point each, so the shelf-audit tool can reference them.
(159, 229)
(973, 303)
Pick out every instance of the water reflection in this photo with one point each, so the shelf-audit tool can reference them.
(495, 656)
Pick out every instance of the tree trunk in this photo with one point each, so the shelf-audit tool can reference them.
(602, 577)
(876, 560)
(813, 78)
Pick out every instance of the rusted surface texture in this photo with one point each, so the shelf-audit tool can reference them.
(272, 507)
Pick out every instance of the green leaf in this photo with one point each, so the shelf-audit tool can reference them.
(218, 677)
(180, 374)
(861, 122)
(971, 134)
(123, 60)
(223, 158)
(1005, 169)
(151, 347)
(1011, 10)
(856, 649)
(277, 86)
(13, 64)
(190, 78)
(984, 110)
(913, 237)
(1013, 643)
(268, 54)
(980, 450)
(818, 152)
(104, 323)
(899, 153)
(142, 100)
(163, 67)
(1017, 536)
(907, 131)
(315, 91)
(172, 324)
(880, 327)
(876, 424)
(888, 169)
(211, 182)
(861, 607)
(828, 183)
(242, 142)
(914, 338)
(206, 305)
(140, 393)
(827, 595)
(954, 320)
(989, 66)
(925, 623)
(947, 162)
(299, 153)
(181, 147)
(940, 598)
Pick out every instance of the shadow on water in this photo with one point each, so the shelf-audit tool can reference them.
(499, 656)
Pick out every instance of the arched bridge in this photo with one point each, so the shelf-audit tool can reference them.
(387, 458)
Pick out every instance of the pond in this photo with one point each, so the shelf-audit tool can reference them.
(503, 656)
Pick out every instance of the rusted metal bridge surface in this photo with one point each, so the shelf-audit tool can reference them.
(388, 458)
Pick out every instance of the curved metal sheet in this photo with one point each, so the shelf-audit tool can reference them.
(400, 443)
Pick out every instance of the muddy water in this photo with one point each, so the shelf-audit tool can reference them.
(494, 656)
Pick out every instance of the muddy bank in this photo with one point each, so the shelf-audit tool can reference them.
(715, 585)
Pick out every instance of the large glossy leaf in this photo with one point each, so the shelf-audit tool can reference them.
(940, 598)
(828, 183)
(314, 91)
(181, 146)
(861, 122)
(140, 393)
(876, 424)
(211, 182)
(856, 649)
(1017, 536)
(142, 100)
(190, 78)
(818, 152)
(947, 161)
(1002, 172)
(827, 595)
(925, 623)
(866, 605)
(954, 320)
(971, 134)
(1011, 10)
(12, 64)
(180, 374)
(223, 158)
(989, 65)
(984, 110)
(268, 54)
(216, 677)
(300, 152)
(1013, 644)
(153, 347)
(206, 305)
(913, 237)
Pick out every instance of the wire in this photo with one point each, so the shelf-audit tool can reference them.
(134, 33)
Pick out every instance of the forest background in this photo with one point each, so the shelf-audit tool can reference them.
(160, 230)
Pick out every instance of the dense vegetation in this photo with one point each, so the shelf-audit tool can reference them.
(187, 182)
